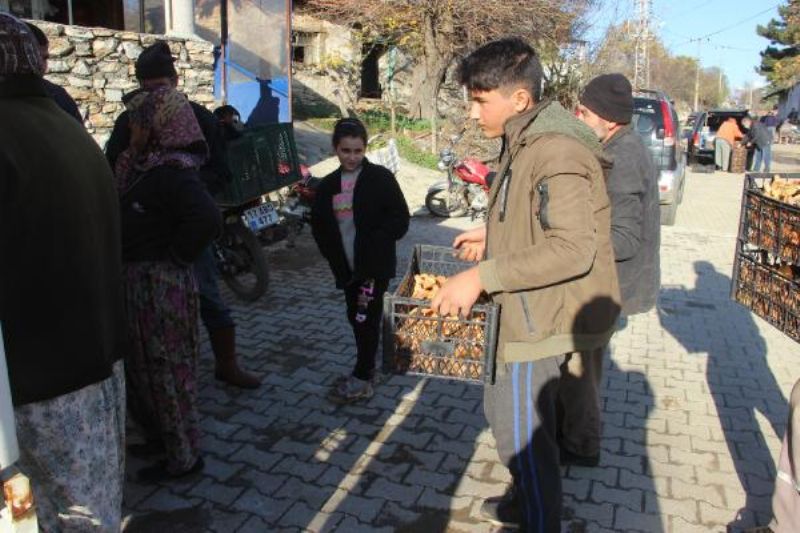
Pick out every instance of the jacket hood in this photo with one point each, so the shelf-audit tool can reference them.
(550, 117)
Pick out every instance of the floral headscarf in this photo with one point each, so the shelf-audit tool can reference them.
(174, 136)
(19, 51)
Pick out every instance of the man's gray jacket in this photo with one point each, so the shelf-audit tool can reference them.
(635, 220)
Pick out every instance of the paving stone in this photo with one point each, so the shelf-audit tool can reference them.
(215, 492)
(308, 471)
(253, 502)
(366, 509)
(631, 498)
(164, 500)
(351, 524)
(424, 478)
(265, 483)
(627, 520)
(667, 506)
(256, 458)
(382, 488)
(225, 522)
(471, 487)
(220, 470)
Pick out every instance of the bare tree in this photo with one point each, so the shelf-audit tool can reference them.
(439, 31)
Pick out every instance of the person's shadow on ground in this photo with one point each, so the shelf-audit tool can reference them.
(739, 379)
(627, 400)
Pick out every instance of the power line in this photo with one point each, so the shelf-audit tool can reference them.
(748, 19)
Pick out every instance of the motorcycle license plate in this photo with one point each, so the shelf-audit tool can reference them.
(263, 216)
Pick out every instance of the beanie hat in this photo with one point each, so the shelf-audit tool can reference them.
(155, 61)
(19, 51)
(610, 96)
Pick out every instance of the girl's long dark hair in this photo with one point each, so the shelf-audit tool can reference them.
(349, 127)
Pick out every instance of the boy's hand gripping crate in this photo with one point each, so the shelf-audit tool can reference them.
(418, 342)
(766, 275)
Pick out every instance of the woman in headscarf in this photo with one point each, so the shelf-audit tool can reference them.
(168, 219)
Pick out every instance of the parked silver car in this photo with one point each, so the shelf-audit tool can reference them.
(655, 120)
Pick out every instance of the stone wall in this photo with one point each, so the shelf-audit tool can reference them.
(96, 66)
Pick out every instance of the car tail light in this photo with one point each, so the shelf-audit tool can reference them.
(696, 139)
(669, 125)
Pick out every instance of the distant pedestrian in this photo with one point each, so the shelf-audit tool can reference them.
(60, 299)
(606, 105)
(726, 138)
(358, 216)
(168, 219)
(58, 93)
(770, 120)
(759, 138)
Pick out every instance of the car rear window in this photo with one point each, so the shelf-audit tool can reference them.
(715, 120)
(647, 116)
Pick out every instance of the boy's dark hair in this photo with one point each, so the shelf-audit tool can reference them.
(38, 34)
(349, 127)
(505, 63)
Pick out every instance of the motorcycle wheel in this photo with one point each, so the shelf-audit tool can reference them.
(440, 203)
(244, 268)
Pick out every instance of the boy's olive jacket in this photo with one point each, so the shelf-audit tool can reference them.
(549, 261)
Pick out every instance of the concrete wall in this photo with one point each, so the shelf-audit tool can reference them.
(96, 66)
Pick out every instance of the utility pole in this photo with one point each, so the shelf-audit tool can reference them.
(697, 85)
(641, 69)
(697, 79)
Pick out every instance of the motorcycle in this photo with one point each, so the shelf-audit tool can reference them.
(238, 250)
(466, 189)
(296, 206)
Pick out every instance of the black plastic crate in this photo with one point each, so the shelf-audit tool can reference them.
(417, 343)
(770, 289)
(262, 160)
(767, 223)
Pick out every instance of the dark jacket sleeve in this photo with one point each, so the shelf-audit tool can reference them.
(195, 216)
(626, 191)
(119, 140)
(64, 100)
(395, 223)
(216, 172)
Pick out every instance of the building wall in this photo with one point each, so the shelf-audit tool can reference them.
(96, 66)
(788, 101)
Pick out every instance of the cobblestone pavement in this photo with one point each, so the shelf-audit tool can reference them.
(694, 403)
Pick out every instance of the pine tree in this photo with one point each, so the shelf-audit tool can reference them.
(780, 62)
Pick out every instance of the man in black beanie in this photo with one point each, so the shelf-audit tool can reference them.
(155, 67)
(606, 105)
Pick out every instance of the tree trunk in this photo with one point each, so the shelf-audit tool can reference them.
(428, 76)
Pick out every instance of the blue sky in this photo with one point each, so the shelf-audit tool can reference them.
(736, 48)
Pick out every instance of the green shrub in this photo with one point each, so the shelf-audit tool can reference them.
(413, 154)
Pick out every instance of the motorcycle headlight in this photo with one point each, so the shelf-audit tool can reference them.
(442, 166)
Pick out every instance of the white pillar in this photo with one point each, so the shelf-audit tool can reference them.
(179, 15)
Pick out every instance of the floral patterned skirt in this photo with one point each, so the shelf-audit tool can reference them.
(72, 447)
(161, 364)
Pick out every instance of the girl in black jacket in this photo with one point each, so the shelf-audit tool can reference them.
(358, 215)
